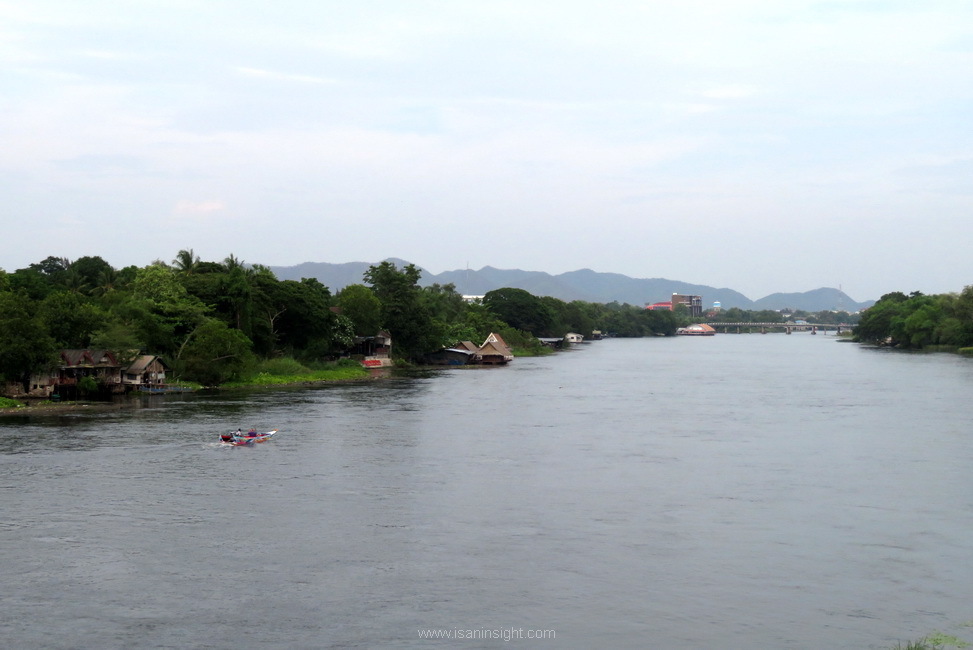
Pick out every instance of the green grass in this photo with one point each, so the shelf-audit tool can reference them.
(537, 351)
(279, 372)
(7, 403)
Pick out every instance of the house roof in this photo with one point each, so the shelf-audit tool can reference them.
(143, 362)
(495, 338)
(88, 358)
(490, 348)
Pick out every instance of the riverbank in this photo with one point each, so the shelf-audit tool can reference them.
(44, 406)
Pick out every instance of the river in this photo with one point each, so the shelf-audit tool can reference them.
(735, 491)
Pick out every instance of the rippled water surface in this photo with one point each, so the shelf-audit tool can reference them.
(739, 491)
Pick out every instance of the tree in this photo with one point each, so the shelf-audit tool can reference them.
(444, 302)
(121, 337)
(186, 261)
(107, 282)
(25, 346)
(582, 317)
(521, 310)
(89, 270)
(52, 267)
(404, 314)
(71, 319)
(362, 307)
(238, 295)
(912, 321)
(162, 310)
(35, 284)
(304, 325)
(918, 328)
(215, 354)
(477, 323)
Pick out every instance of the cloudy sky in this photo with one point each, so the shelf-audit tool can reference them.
(760, 145)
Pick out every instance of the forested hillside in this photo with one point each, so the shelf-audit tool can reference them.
(216, 322)
(585, 285)
(223, 321)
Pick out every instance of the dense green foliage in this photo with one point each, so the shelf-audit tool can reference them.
(919, 321)
(25, 343)
(737, 315)
(217, 323)
(211, 321)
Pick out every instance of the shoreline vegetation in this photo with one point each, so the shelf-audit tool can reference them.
(276, 373)
(345, 374)
(233, 325)
(218, 323)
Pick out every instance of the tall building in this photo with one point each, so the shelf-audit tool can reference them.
(693, 303)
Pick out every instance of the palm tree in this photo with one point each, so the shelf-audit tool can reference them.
(108, 281)
(186, 261)
(238, 289)
(74, 282)
(232, 262)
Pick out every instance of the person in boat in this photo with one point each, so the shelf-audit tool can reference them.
(228, 437)
(252, 433)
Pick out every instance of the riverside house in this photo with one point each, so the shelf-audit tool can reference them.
(495, 351)
(373, 351)
(100, 365)
(146, 371)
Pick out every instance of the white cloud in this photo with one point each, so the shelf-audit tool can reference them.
(283, 76)
(199, 209)
(737, 91)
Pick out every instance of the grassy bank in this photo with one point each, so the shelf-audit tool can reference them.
(278, 372)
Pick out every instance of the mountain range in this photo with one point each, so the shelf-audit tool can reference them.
(584, 284)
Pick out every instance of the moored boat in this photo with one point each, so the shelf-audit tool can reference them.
(700, 329)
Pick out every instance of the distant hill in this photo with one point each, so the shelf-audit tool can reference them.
(584, 284)
(809, 300)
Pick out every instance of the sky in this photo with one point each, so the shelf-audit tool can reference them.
(759, 145)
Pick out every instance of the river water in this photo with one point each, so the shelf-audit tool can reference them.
(736, 491)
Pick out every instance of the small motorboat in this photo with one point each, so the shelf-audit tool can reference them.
(250, 438)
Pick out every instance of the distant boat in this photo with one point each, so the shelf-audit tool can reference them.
(699, 329)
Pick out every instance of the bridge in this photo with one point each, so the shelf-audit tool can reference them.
(787, 327)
